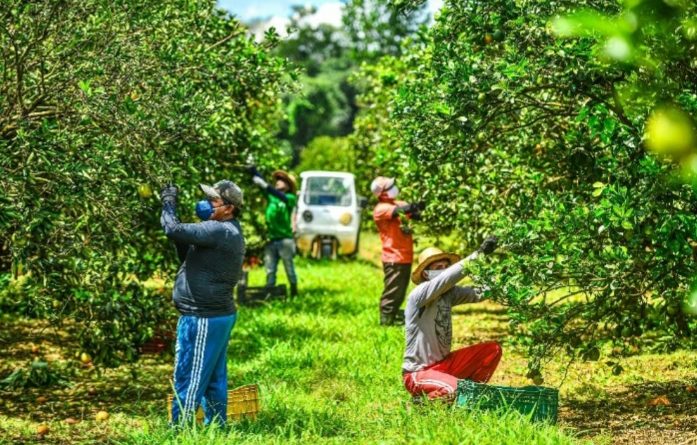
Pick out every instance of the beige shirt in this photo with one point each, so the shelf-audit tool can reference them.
(428, 319)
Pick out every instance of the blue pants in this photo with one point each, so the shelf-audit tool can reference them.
(200, 367)
(283, 249)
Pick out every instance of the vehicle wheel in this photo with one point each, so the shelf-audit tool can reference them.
(326, 250)
(358, 244)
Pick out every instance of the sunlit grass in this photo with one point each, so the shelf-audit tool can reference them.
(328, 373)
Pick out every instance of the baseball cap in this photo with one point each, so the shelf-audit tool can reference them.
(226, 190)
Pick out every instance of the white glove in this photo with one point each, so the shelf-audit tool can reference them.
(258, 180)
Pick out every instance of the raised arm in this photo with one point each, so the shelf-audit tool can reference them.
(465, 294)
(469, 294)
(412, 210)
(259, 181)
(433, 289)
(202, 234)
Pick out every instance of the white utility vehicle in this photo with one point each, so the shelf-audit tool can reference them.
(328, 216)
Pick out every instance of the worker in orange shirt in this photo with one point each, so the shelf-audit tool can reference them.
(397, 246)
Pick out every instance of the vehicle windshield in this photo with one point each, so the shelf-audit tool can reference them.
(328, 191)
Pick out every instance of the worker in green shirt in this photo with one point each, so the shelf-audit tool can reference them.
(282, 200)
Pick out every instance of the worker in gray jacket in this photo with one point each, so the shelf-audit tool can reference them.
(430, 368)
(211, 254)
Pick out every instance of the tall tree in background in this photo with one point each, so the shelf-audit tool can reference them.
(325, 104)
(376, 28)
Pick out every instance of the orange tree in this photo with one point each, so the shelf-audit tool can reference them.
(100, 105)
(504, 128)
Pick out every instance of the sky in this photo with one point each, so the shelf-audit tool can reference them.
(250, 9)
(328, 11)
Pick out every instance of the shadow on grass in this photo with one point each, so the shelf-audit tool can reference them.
(314, 301)
(634, 408)
(308, 262)
(478, 309)
(131, 392)
(115, 389)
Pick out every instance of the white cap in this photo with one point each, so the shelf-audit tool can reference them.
(381, 184)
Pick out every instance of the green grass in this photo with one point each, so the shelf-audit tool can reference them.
(329, 374)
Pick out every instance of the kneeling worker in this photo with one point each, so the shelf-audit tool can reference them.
(430, 368)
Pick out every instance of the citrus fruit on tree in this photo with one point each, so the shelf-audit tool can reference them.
(145, 191)
(669, 131)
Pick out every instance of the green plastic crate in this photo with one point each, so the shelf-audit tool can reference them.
(539, 402)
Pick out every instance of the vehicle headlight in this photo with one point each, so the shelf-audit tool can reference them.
(307, 216)
(346, 219)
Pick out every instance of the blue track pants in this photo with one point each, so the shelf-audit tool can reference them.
(200, 367)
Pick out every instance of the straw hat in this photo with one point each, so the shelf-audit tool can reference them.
(287, 178)
(429, 256)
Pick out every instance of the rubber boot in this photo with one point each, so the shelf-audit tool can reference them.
(395, 319)
(293, 290)
(386, 319)
(398, 318)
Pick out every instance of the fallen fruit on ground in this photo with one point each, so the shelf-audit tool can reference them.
(101, 416)
(71, 421)
(85, 358)
(42, 430)
(660, 401)
(41, 399)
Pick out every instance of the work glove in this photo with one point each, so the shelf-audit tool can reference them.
(418, 208)
(168, 194)
(258, 180)
(414, 210)
(489, 245)
(252, 170)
